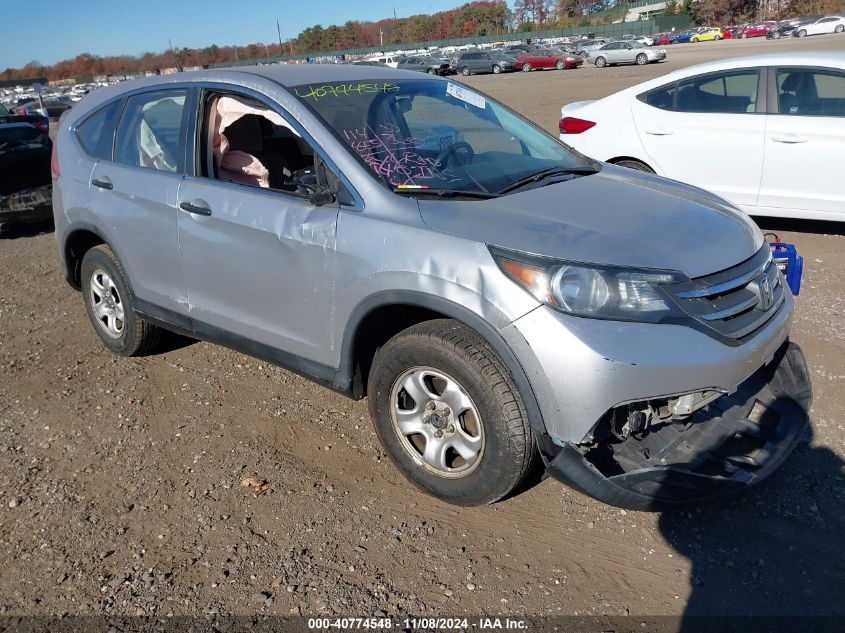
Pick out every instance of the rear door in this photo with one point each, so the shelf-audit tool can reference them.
(708, 131)
(136, 194)
(805, 142)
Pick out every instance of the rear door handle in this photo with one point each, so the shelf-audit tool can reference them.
(103, 183)
(196, 209)
(789, 138)
(659, 131)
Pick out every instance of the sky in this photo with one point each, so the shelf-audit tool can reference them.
(51, 30)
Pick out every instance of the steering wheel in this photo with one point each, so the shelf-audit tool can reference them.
(455, 150)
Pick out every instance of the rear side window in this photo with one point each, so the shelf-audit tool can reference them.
(152, 131)
(96, 133)
(663, 98)
(727, 93)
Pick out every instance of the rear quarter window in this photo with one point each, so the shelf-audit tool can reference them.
(96, 133)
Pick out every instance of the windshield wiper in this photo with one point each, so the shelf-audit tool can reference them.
(445, 193)
(548, 173)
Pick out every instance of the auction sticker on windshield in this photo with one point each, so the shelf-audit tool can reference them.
(466, 96)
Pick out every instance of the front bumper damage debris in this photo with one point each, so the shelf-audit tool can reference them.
(726, 444)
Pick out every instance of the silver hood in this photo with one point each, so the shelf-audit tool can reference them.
(616, 217)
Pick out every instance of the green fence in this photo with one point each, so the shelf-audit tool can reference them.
(638, 27)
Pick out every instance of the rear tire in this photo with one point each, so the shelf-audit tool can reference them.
(642, 59)
(694, 40)
(560, 65)
(630, 163)
(465, 71)
(802, 33)
(431, 71)
(446, 367)
(744, 36)
(839, 28)
(497, 69)
(110, 305)
(526, 67)
(601, 62)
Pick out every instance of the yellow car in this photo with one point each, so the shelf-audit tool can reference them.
(706, 34)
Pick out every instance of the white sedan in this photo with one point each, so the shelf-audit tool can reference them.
(766, 132)
(827, 24)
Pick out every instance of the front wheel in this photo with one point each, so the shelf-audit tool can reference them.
(449, 415)
(776, 35)
(601, 62)
(802, 33)
(718, 37)
(744, 35)
(465, 71)
(839, 28)
(642, 59)
(431, 71)
(497, 69)
(634, 164)
(560, 65)
(110, 305)
(694, 40)
(526, 67)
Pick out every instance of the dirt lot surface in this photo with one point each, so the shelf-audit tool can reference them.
(120, 478)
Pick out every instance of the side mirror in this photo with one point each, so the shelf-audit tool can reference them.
(321, 198)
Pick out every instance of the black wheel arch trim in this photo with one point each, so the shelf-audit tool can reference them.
(349, 383)
(70, 273)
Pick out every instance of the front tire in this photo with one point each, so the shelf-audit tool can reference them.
(431, 71)
(497, 69)
(110, 305)
(449, 415)
(560, 65)
(601, 62)
(465, 71)
(839, 28)
(694, 40)
(802, 33)
(526, 67)
(634, 164)
(642, 59)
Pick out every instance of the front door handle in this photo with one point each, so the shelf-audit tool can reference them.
(659, 131)
(196, 209)
(791, 139)
(102, 183)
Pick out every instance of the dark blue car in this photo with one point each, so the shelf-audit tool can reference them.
(682, 38)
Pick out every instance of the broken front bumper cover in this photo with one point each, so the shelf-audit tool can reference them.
(26, 207)
(736, 441)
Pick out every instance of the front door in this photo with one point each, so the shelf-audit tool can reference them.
(259, 262)
(804, 143)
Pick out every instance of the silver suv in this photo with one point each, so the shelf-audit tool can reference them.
(503, 301)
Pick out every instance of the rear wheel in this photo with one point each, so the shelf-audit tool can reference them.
(449, 415)
(642, 59)
(110, 305)
(839, 28)
(744, 35)
(560, 65)
(694, 40)
(465, 71)
(802, 33)
(776, 35)
(630, 163)
(526, 67)
(601, 62)
(497, 69)
(431, 71)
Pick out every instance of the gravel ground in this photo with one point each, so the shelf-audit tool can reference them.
(120, 478)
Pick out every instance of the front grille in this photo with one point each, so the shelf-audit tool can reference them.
(736, 302)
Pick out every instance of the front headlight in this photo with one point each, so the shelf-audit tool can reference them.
(587, 290)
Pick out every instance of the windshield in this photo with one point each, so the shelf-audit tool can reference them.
(431, 134)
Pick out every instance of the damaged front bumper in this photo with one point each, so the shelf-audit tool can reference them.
(732, 442)
(31, 206)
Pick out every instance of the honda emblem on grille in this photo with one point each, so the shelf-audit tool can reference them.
(762, 287)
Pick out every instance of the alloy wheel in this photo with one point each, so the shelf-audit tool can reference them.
(106, 303)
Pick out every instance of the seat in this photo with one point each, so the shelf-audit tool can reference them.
(788, 102)
(239, 162)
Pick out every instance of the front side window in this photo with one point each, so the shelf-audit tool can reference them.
(811, 92)
(96, 133)
(151, 131)
(426, 134)
(728, 93)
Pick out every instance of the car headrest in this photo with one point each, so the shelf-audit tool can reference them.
(246, 134)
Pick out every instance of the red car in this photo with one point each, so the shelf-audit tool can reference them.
(661, 39)
(756, 30)
(548, 58)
